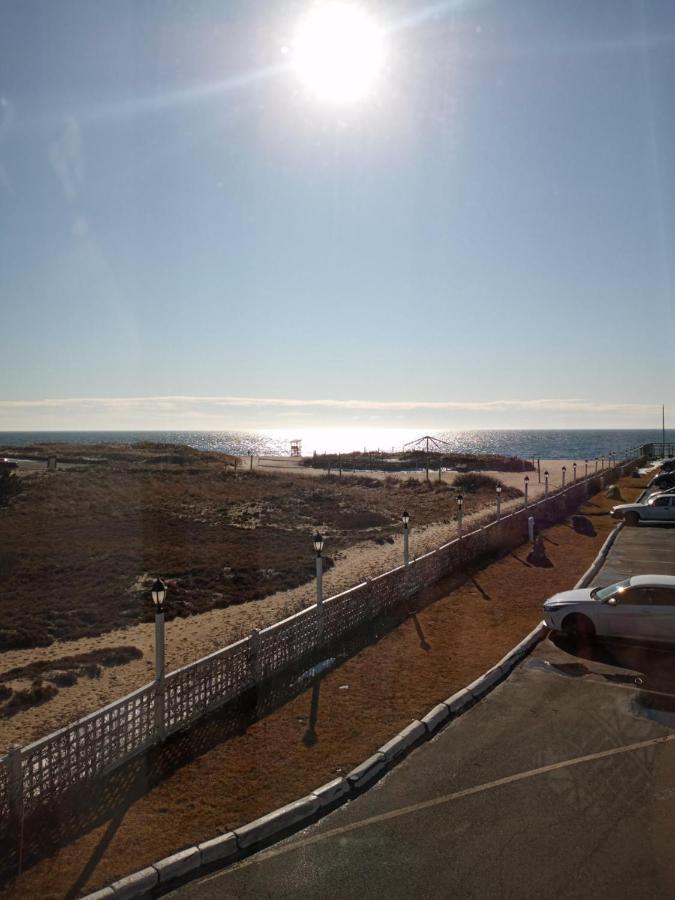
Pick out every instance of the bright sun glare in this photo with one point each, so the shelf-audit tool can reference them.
(337, 51)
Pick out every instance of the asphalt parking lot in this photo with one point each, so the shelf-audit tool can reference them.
(645, 549)
(560, 783)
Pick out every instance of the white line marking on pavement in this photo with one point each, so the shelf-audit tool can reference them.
(438, 801)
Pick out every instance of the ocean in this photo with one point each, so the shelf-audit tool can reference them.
(562, 444)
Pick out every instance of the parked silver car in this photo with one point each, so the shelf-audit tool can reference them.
(659, 509)
(640, 608)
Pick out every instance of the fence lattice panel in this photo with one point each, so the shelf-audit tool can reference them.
(88, 747)
(191, 691)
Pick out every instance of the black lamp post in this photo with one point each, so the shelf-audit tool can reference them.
(405, 518)
(317, 541)
(158, 594)
(460, 513)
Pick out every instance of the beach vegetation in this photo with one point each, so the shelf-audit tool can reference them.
(10, 486)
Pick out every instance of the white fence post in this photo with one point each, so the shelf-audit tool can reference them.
(530, 529)
(160, 727)
(254, 655)
(15, 785)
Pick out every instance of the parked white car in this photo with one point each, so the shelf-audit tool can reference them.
(640, 608)
(668, 493)
(659, 508)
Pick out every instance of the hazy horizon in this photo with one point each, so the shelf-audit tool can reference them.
(246, 413)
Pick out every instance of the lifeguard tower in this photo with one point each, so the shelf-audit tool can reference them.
(296, 448)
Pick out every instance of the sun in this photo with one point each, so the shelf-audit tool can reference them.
(337, 52)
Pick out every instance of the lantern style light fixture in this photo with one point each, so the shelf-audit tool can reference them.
(158, 593)
(405, 518)
(317, 541)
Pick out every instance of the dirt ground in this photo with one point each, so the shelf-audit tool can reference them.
(222, 774)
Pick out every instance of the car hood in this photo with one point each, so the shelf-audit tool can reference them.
(624, 506)
(568, 598)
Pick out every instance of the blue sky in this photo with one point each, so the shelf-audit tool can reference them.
(191, 240)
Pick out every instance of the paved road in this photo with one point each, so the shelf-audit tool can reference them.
(647, 549)
(560, 783)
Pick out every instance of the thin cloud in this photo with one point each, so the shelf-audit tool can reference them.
(6, 127)
(6, 118)
(66, 156)
(179, 402)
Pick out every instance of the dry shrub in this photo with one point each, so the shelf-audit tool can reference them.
(25, 698)
(62, 679)
(10, 486)
(78, 664)
(470, 482)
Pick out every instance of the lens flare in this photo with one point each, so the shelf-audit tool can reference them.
(338, 52)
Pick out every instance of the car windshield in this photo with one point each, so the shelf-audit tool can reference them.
(605, 593)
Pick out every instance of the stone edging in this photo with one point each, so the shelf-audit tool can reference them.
(599, 560)
(198, 860)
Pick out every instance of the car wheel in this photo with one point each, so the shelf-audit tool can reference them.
(632, 519)
(578, 626)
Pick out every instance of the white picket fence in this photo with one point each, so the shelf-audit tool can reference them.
(105, 739)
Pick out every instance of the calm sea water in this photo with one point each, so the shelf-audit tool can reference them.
(566, 444)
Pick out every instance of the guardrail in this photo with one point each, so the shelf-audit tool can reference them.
(107, 738)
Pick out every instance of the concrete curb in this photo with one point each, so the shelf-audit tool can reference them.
(331, 792)
(286, 817)
(219, 848)
(403, 741)
(599, 560)
(368, 771)
(436, 717)
(138, 884)
(178, 864)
